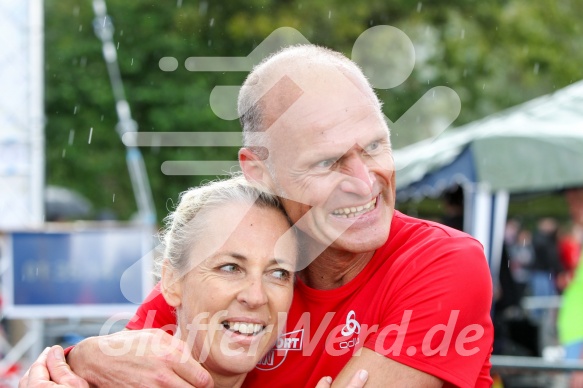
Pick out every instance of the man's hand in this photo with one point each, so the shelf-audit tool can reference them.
(51, 371)
(357, 381)
(138, 358)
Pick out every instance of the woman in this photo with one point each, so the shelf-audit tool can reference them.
(227, 268)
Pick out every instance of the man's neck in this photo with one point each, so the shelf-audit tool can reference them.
(334, 268)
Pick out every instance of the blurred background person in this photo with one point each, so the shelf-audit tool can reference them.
(521, 255)
(453, 206)
(569, 254)
(546, 265)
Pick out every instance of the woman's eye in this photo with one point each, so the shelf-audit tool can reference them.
(281, 274)
(229, 268)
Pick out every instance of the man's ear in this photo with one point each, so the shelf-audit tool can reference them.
(253, 166)
(171, 285)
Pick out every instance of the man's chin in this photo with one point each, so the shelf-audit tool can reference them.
(358, 242)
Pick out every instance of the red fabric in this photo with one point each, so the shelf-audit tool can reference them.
(569, 250)
(154, 313)
(430, 273)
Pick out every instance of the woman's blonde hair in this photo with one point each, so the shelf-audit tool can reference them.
(184, 225)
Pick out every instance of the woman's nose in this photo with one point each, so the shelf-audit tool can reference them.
(253, 294)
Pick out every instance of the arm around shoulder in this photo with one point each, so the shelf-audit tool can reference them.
(137, 358)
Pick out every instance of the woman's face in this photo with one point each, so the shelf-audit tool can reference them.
(228, 304)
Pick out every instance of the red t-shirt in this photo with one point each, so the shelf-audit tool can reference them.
(423, 300)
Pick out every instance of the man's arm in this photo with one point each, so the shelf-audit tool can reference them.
(137, 358)
(384, 372)
(149, 357)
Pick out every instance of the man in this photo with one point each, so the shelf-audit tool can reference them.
(405, 299)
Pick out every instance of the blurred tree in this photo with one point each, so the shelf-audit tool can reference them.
(493, 53)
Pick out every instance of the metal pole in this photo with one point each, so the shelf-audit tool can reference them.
(535, 364)
(103, 27)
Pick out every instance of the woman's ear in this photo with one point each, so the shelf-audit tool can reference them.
(171, 285)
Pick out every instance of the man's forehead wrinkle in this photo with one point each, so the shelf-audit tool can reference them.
(353, 118)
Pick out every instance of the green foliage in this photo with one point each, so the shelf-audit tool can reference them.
(494, 54)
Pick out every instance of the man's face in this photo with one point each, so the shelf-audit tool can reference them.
(331, 161)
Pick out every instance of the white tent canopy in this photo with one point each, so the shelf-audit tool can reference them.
(535, 146)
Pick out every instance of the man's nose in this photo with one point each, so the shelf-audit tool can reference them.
(253, 294)
(359, 179)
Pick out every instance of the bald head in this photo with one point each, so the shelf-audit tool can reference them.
(280, 80)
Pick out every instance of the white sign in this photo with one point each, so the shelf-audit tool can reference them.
(21, 114)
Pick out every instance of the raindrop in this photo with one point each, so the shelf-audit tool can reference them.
(90, 135)
(329, 14)
(71, 136)
(117, 45)
(101, 117)
(132, 62)
(178, 5)
(419, 6)
(463, 33)
(63, 153)
(75, 110)
(483, 86)
(536, 67)
(113, 200)
(212, 22)
(210, 42)
(80, 27)
(76, 10)
(121, 33)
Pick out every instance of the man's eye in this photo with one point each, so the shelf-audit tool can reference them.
(229, 268)
(325, 163)
(373, 146)
(281, 274)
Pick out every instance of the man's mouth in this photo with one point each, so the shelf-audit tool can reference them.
(350, 212)
(245, 328)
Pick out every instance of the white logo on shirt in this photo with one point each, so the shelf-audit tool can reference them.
(352, 326)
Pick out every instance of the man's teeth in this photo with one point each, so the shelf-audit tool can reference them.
(349, 212)
(244, 327)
